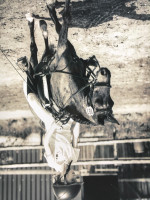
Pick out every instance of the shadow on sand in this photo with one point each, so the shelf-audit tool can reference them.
(92, 13)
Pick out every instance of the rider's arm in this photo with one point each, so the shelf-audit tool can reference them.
(48, 137)
(76, 132)
(50, 155)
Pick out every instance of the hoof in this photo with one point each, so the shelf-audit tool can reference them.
(51, 2)
(29, 17)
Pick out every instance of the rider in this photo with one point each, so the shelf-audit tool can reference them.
(60, 145)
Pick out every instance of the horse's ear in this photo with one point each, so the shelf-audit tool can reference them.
(110, 118)
(103, 75)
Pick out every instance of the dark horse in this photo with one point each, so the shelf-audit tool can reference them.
(78, 88)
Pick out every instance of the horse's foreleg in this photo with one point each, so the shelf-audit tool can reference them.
(52, 13)
(31, 82)
(48, 53)
(63, 35)
(33, 47)
(43, 26)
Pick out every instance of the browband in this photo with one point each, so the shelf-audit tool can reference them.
(102, 84)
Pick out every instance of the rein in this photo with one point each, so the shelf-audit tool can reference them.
(60, 71)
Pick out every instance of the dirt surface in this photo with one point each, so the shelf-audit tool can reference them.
(116, 32)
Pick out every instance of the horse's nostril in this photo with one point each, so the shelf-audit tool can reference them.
(99, 101)
(101, 120)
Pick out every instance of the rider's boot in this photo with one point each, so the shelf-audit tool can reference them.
(23, 63)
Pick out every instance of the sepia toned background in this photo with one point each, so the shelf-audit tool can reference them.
(117, 32)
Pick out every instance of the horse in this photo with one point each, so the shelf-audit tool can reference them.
(77, 88)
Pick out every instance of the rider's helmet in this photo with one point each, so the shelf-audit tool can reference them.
(66, 192)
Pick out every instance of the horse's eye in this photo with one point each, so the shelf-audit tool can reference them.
(103, 72)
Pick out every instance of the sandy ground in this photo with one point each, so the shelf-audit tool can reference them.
(116, 32)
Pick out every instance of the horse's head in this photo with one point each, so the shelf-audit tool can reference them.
(101, 100)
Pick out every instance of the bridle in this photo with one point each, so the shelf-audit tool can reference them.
(102, 84)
